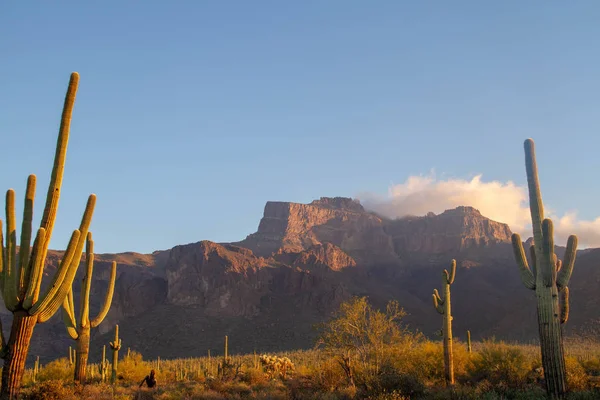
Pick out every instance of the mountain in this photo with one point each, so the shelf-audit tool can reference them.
(267, 291)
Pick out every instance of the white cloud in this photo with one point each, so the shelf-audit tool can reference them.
(499, 201)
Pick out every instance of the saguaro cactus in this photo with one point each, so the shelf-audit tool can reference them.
(115, 346)
(442, 305)
(21, 278)
(469, 342)
(80, 330)
(549, 277)
(103, 367)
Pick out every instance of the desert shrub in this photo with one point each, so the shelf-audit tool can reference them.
(58, 369)
(360, 337)
(591, 366)
(237, 388)
(253, 376)
(502, 365)
(395, 383)
(425, 362)
(132, 368)
(51, 389)
(577, 378)
(329, 376)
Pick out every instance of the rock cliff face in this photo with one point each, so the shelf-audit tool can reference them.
(267, 291)
(454, 230)
(346, 224)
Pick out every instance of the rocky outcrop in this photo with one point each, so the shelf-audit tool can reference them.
(223, 279)
(343, 222)
(451, 231)
(321, 256)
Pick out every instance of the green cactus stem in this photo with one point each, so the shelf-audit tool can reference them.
(549, 278)
(115, 346)
(442, 306)
(103, 367)
(36, 369)
(21, 278)
(469, 342)
(80, 330)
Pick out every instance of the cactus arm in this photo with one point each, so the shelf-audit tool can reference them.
(108, 299)
(63, 290)
(562, 280)
(60, 156)
(11, 275)
(533, 260)
(1, 258)
(68, 315)
(84, 227)
(3, 346)
(59, 278)
(449, 277)
(564, 305)
(536, 206)
(62, 285)
(526, 275)
(437, 295)
(24, 268)
(547, 264)
(84, 318)
(36, 270)
(436, 304)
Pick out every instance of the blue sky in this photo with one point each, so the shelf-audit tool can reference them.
(191, 115)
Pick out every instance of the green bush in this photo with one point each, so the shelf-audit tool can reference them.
(500, 364)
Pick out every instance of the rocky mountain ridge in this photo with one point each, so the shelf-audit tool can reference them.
(267, 291)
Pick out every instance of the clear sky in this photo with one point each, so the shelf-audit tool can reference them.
(191, 115)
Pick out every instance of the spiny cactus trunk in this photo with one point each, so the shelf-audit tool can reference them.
(448, 360)
(14, 363)
(551, 344)
(115, 366)
(549, 277)
(443, 306)
(83, 350)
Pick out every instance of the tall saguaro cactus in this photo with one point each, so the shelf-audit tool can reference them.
(115, 346)
(442, 305)
(80, 330)
(548, 277)
(21, 277)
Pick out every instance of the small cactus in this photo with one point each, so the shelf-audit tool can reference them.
(442, 305)
(103, 367)
(469, 341)
(115, 346)
(36, 369)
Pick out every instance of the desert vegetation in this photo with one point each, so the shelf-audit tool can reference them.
(362, 352)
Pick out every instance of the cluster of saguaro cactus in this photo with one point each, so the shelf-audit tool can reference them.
(442, 305)
(549, 277)
(80, 330)
(21, 276)
(115, 346)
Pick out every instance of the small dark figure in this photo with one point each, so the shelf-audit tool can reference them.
(149, 379)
